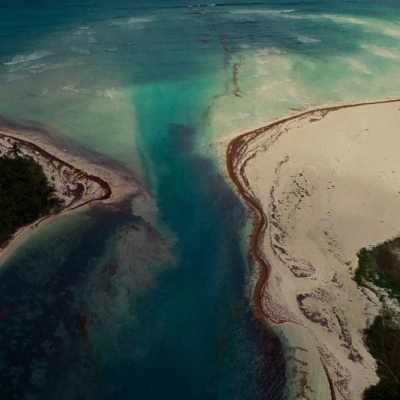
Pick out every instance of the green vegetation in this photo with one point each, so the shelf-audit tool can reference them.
(25, 194)
(380, 266)
(383, 341)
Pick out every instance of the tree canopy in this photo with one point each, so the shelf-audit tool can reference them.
(25, 194)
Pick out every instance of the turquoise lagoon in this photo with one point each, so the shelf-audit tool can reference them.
(103, 305)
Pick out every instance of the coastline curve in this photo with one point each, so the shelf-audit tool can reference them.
(237, 157)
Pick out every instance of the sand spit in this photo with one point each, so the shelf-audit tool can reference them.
(321, 185)
(80, 178)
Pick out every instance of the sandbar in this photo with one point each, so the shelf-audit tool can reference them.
(81, 178)
(320, 185)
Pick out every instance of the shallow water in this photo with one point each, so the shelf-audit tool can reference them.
(103, 305)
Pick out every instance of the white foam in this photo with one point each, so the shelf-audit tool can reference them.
(84, 30)
(369, 25)
(260, 11)
(139, 20)
(110, 94)
(307, 39)
(382, 51)
(37, 68)
(392, 32)
(80, 50)
(250, 14)
(345, 19)
(133, 21)
(268, 51)
(357, 65)
(21, 58)
(291, 14)
(70, 89)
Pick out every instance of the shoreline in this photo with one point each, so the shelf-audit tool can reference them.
(52, 158)
(237, 157)
(80, 181)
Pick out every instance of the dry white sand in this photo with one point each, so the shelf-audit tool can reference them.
(329, 184)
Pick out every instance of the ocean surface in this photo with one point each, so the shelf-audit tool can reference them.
(104, 304)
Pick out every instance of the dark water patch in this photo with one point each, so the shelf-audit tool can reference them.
(195, 335)
(39, 294)
(54, 299)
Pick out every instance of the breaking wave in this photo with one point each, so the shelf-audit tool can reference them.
(345, 19)
(381, 51)
(24, 58)
(260, 11)
(307, 39)
(133, 21)
(357, 66)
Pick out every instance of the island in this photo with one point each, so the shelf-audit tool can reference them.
(323, 188)
(43, 178)
(25, 193)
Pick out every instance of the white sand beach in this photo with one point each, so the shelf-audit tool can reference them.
(328, 184)
(79, 181)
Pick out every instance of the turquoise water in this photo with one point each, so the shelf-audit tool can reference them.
(104, 305)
